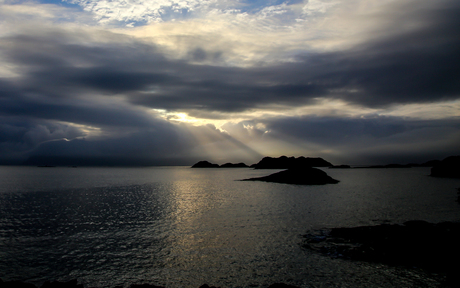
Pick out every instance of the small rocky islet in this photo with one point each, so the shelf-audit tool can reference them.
(299, 176)
(299, 171)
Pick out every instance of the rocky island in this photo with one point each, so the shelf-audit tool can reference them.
(284, 162)
(206, 164)
(299, 176)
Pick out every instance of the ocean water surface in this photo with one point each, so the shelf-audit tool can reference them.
(182, 227)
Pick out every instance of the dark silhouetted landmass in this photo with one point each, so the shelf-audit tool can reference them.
(416, 243)
(232, 165)
(284, 162)
(307, 176)
(340, 167)
(449, 167)
(205, 164)
(73, 284)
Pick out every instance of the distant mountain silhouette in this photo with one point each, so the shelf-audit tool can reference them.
(449, 167)
(205, 164)
(231, 165)
(284, 162)
(305, 176)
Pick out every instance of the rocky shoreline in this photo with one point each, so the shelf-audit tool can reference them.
(433, 247)
(74, 284)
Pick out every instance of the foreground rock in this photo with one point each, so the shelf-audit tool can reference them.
(307, 176)
(449, 167)
(284, 162)
(47, 284)
(416, 244)
(73, 284)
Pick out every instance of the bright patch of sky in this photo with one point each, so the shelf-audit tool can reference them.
(254, 6)
(61, 3)
(141, 12)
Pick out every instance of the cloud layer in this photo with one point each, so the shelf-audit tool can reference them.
(77, 90)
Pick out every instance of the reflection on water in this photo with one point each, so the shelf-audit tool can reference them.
(183, 227)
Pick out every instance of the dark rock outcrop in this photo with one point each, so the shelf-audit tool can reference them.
(73, 284)
(449, 168)
(15, 284)
(205, 164)
(284, 162)
(232, 165)
(414, 244)
(57, 284)
(307, 176)
(47, 284)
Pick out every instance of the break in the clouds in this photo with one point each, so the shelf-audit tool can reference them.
(172, 82)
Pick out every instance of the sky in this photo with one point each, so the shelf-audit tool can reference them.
(172, 82)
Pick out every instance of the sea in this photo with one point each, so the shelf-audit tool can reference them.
(183, 227)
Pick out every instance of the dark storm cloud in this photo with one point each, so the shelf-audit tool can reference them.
(417, 66)
(165, 145)
(372, 140)
(21, 135)
(81, 112)
(108, 81)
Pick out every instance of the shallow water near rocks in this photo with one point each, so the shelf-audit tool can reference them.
(182, 227)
